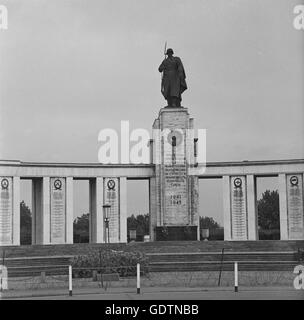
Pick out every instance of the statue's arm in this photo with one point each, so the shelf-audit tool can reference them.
(180, 68)
(161, 67)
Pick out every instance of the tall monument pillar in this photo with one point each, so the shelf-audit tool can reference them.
(174, 215)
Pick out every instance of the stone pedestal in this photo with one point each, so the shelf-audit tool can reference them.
(173, 191)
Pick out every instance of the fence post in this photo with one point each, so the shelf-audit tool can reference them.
(138, 278)
(42, 277)
(236, 280)
(3, 278)
(221, 268)
(1, 286)
(70, 282)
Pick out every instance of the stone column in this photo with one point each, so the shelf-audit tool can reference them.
(69, 210)
(152, 207)
(193, 181)
(37, 211)
(235, 208)
(155, 183)
(194, 203)
(46, 228)
(239, 213)
(251, 207)
(62, 214)
(295, 212)
(123, 209)
(58, 211)
(283, 207)
(41, 211)
(16, 211)
(112, 198)
(175, 186)
(96, 210)
(174, 122)
(227, 208)
(7, 207)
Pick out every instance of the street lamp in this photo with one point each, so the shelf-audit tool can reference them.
(106, 208)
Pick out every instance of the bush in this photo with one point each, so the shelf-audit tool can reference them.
(273, 234)
(188, 233)
(109, 261)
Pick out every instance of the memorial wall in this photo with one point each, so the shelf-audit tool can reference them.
(295, 206)
(111, 197)
(174, 203)
(239, 222)
(6, 210)
(58, 210)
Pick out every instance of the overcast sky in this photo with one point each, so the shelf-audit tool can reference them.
(71, 68)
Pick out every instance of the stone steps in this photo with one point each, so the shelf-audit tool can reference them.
(163, 256)
(27, 271)
(39, 261)
(229, 256)
(153, 247)
(226, 266)
(168, 257)
(164, 263)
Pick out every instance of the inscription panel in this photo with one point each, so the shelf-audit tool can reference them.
(6, 211)
(238, 208)
(111, 196)
(175, 180)
(58, 210)
(295, 206)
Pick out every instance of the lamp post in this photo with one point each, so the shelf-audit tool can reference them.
(106, 208)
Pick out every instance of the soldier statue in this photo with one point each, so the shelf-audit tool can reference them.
(174, 79)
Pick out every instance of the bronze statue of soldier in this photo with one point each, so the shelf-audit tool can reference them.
(174, 79)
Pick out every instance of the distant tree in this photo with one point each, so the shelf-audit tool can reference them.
(131, 222)
(208, 223)
(269, 210)
(25, 224)
(140, 223)
(81, 227)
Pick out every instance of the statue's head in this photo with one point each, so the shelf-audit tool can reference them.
(170, 52)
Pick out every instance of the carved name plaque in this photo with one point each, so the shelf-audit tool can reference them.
(175, 182)
(58, 210)
(6, 211)
(238, 208)
(111, 196)
(295, 206)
